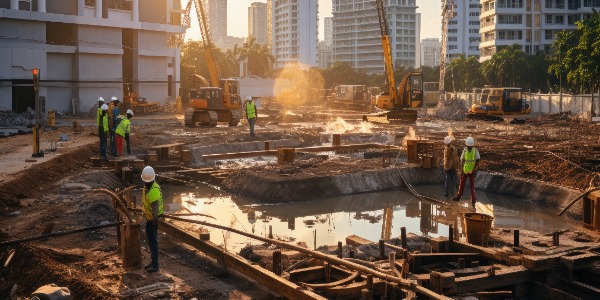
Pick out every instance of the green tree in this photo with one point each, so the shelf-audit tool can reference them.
(258, 56)
(581, 50)
(506, 67)
(342, 73)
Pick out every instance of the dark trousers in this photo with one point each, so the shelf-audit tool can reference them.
(102, 143)
(152, 237)
(128, 143)
(449, 182)
(461, 187)
(251, 122)
(113, 145)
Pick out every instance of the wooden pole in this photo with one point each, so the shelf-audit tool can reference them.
(277, 262)
(516, 238)
(340, 250)
(382, 249)
(270, 231)
(403, 237)
(450, 237)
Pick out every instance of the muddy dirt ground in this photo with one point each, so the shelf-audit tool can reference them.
(58, 189)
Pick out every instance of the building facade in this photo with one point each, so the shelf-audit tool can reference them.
(217, 19)
(325, 56)
(294, 26)
(430, 52)
(357, 35)
(328, 29)
(532, 24)
(87, 49)
(463, 29)
(257, 22)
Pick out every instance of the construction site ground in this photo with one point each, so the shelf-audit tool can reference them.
(58, 189)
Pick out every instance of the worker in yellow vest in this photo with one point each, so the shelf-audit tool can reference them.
(470, 164)
(103, 129)
(99, 111)
(251, 113)
(153, 210)
(122, 132)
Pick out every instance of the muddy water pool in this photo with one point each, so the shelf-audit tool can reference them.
(332, 219)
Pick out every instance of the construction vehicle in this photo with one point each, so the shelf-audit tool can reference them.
(499, 101)
(354, 97)
(220, 100)
(400, 102)
(133, 101)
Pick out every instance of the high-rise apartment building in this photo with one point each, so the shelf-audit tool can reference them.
(357, 35)
(430, 52)
(463, 29)
(324, 55)
(87, 49)
(294, 27)
(532, 24)
(328, 28)
(257, 22)
(217, 19)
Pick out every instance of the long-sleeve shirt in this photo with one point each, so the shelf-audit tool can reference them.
(451, 161)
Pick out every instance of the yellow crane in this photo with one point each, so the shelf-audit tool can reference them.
(219, 102)
(400, 102)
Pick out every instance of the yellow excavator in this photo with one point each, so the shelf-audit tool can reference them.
(401, 102)
(496, 102)
(220, 101)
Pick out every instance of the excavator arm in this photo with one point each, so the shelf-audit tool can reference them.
(213, 68)
(387, 52)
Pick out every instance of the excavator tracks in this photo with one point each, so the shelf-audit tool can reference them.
(205, 118)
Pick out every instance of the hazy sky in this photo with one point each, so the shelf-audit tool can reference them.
(237, 19)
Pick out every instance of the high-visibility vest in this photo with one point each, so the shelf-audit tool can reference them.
(153, 195)
(104, 124)
(251, 110)
(123, 127)
(470, 159)
(98, 116)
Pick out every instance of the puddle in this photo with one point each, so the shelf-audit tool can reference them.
(335, 218)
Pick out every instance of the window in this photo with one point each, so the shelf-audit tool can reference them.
(474, 30)
(474, 23)
(549, 19)
(548, 34)
(560, 20)
(474, 14)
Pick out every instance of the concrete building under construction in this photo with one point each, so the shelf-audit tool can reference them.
(85, 49)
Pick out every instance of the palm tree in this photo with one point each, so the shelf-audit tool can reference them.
(258, 56)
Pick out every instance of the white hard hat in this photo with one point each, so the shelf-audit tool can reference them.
(130, 112)
(104, 107)
(470, 142)
(248, 98)
(447, 140)
(113, 98)
(148, 174)
(100, 99)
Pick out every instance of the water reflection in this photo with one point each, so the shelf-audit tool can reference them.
(370, 215)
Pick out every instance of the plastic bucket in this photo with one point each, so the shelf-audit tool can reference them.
(478, 227)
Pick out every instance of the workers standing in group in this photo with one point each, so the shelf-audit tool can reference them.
(113, 114)
(450, 166)
(251, 113)
(122, 132)
(470, 164)
(103, 129)
(153, 210)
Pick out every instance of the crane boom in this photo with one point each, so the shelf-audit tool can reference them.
(447, 14)
(213, 68)
(387, 51)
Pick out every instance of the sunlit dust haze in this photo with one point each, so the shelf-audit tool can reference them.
(296, 83)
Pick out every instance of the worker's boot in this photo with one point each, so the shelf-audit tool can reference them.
(455, 198)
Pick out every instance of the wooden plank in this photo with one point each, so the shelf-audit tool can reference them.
(307, 149)
(240, 265)
(545, 291)
(166, 145)
(503, 277)
(355, 240)
(308, 274)
(507, 257)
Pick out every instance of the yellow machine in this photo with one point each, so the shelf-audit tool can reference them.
(219, 102)
(499, 101)
(401, 103)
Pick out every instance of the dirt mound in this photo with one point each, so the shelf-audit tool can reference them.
(38, 177)
(32, 267)
(452, 110)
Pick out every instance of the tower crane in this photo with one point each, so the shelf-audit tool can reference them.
(399, 101)
(219, 102)
(447, 14)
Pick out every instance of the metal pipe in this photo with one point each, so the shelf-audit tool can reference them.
(58, 233)
(117, 200)
(577, 199)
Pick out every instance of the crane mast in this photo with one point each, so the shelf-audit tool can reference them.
(213, 68)
(447, 14)
(387, 51)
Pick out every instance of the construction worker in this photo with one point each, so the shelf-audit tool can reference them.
(469, 160)
(122, 131)
(153, 210)
(99, 110)
(103, 130)
(113, 114)
(251, 113)
(450, 166)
